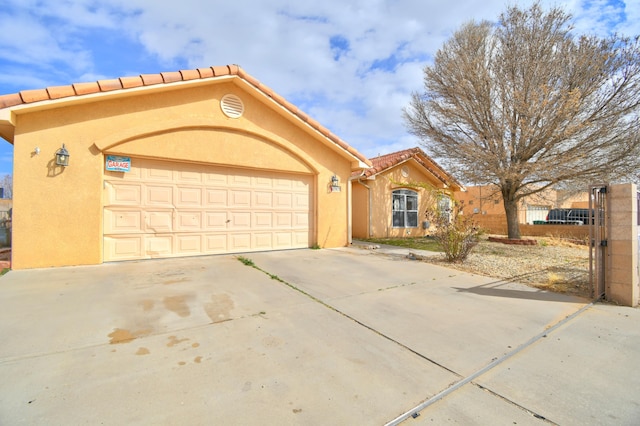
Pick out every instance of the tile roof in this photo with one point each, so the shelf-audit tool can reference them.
(124, 83)
(387, 161)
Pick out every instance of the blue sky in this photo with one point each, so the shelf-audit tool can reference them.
(349, 64)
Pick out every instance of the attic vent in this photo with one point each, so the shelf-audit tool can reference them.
(232, 106)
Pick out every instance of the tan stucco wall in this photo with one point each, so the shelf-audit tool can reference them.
(360, 200)
(58, 212)
(381, 211)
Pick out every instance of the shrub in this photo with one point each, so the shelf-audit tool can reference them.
(456, 233)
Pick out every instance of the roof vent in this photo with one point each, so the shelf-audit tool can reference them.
(232, 106)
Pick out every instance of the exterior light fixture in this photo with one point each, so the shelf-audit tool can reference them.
(334, 186)
(62, 157)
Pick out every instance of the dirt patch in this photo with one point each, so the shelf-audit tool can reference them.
(550, 265)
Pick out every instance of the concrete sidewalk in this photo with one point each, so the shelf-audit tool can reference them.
(344, 336)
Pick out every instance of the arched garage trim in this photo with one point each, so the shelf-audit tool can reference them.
(117, 142)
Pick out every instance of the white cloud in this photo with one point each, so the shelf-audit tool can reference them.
(285, 44)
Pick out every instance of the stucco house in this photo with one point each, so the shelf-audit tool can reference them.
(390, 198)
(184, 163)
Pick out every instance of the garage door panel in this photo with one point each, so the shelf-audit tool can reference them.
(262, 241)
(215, 198)
(157, 195)
(263, 220)
(301, 239)
(159, 245)
(279, 183)
(123, 194)
(158, 221)
(188, 197)
(239, 199)
(239, 220)
(124, 248)
(189, 221)
(238, 180)
(283, 200)
(282, 220)
(263, 182)
(240, 241)
(300, 201)
(158, 172)
(301, 185)
(282, 240)
(188, 176)
(215, 243)
(300, 220)
(123, 222)
(262, 200)
(215, 221)
(219, 179)
(164, 209)
(188, 244)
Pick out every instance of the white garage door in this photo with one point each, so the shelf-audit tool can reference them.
(163, 209)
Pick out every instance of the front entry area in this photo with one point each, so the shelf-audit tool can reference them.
(170, 209)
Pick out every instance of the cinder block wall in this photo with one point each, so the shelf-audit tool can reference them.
(621, 269)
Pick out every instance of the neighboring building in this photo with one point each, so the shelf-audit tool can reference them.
(202, 161)
(391, 198)
(486, 200)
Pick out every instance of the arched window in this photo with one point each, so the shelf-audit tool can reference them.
(405, 208)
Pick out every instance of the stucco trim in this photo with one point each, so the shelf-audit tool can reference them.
(110, 142)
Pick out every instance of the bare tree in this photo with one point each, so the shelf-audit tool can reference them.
(524, 104)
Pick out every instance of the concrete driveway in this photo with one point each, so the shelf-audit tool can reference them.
(311, 337)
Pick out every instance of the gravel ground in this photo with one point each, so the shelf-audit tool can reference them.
(550, 265)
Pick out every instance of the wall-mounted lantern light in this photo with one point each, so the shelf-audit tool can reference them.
(62, 157)
(335, 184)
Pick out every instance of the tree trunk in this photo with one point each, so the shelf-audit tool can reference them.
(513, 225)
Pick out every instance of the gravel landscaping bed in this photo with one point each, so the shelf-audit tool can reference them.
(550, 265)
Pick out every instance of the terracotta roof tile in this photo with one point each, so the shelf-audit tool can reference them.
(109, 85)
(220, 70)
(171, 77)
(29, 96)
(123, 83)
(313, 123)
(10, 100)
(130, 82)
(189, 75)
(254, 81)
(58, 92)
(205, 72)
(151, 79)
(387, 161)
(86, 88)
(279, 99)
(304, 117)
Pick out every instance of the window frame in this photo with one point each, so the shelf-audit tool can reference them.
(407, 215)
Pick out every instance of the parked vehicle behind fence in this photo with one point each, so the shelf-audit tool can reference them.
(569, 217)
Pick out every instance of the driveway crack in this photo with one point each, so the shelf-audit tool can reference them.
(250, 263)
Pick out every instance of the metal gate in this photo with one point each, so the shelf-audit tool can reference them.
(598, 234)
